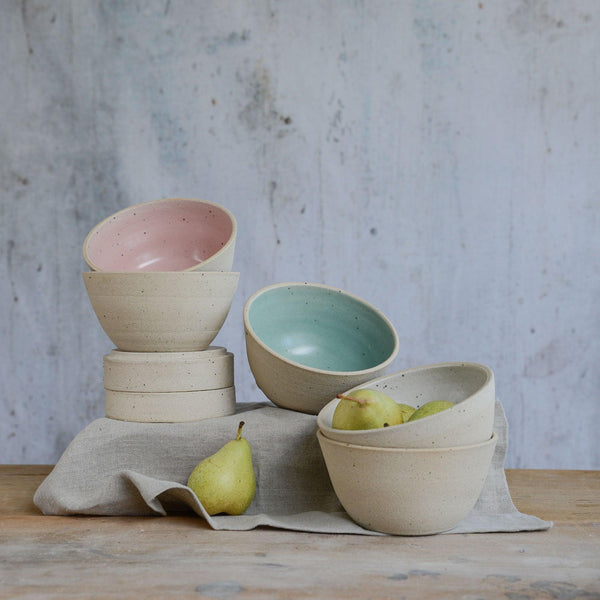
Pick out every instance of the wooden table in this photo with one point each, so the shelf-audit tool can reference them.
(179, 556)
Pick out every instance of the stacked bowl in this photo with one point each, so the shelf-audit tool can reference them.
(161, 286)
(423, 476)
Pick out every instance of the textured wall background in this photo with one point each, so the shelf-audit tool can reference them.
(439, 159)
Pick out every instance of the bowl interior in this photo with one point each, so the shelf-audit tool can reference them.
(164, 235)
(321, 327)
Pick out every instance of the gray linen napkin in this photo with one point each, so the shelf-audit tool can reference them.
(121, 468)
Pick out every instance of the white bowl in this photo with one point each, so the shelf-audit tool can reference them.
(306, 342)
(470, 386)
(161, 311)
(169, 407)
(209, 369)
(407, 491)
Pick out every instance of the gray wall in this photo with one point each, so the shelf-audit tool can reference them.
(439, 159)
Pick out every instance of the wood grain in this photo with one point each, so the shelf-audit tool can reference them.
(558, 496)
(439, 159)
(159, 557)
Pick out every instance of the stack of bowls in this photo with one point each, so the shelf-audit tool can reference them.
(161, 285)
(424, 476)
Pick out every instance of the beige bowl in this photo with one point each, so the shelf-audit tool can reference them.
(161, 311)
(470, 386)
(418, 491)
(306, 342)
(209, 369)
(169, 407)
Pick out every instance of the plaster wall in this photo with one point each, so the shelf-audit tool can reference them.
(439, 159)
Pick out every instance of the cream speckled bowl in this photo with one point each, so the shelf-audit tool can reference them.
(470, 386)
(161, 311)
(209, 369)
(404, 491)
(169, 407)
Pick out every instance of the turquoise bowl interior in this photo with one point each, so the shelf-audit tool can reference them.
(321, 327)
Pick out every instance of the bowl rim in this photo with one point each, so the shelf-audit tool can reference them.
(225, 248)
(163, 274)
(412, 424)
(401, 450)
(125, 357)
(268, 288)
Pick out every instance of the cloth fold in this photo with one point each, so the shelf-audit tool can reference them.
(121, 468)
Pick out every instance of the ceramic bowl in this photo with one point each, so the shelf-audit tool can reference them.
(175, 234)
(161, 311)
(209, 369)
(470, 386)
(169, 407)
(407, 491)
(306, 342)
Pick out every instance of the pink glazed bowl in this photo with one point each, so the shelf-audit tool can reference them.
(173, 234)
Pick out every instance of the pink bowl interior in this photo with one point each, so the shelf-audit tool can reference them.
(170, 235)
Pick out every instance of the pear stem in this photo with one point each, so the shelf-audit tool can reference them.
(360, 401)
(239, 431)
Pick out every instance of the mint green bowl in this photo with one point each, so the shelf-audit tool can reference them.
(306, 342)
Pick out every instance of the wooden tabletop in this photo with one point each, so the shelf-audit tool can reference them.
(179, 556)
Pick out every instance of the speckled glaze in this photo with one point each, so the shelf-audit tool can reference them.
(169, 407)
(161, 311)
(172, 234)
(306, 342)
(407, 491)
(209, 369)
(470, 386)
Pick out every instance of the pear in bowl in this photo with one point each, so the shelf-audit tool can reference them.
(470, 387)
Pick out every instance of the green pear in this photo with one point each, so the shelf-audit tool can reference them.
(407, 411)
(430, 408)
(224, 482)
(366, 409)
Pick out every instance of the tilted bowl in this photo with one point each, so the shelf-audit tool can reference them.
(306, 342)
(161, 311)
(407, 491)
(470, 386)
(173, 234)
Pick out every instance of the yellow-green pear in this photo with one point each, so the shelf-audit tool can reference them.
(366, 409)
(430, 408)
(225, 482)
(407, 411)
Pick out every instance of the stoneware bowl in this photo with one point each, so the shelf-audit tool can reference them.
(208, 369)
(161, 311)
(175, 234)
(470, 386)
(306, 342)
(169, 407)
(407, 491)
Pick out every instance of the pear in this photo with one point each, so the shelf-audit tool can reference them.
(430, 408)
(407, 411)
(366, 409)
(224, 482)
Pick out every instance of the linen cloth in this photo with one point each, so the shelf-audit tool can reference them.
(122, 468)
